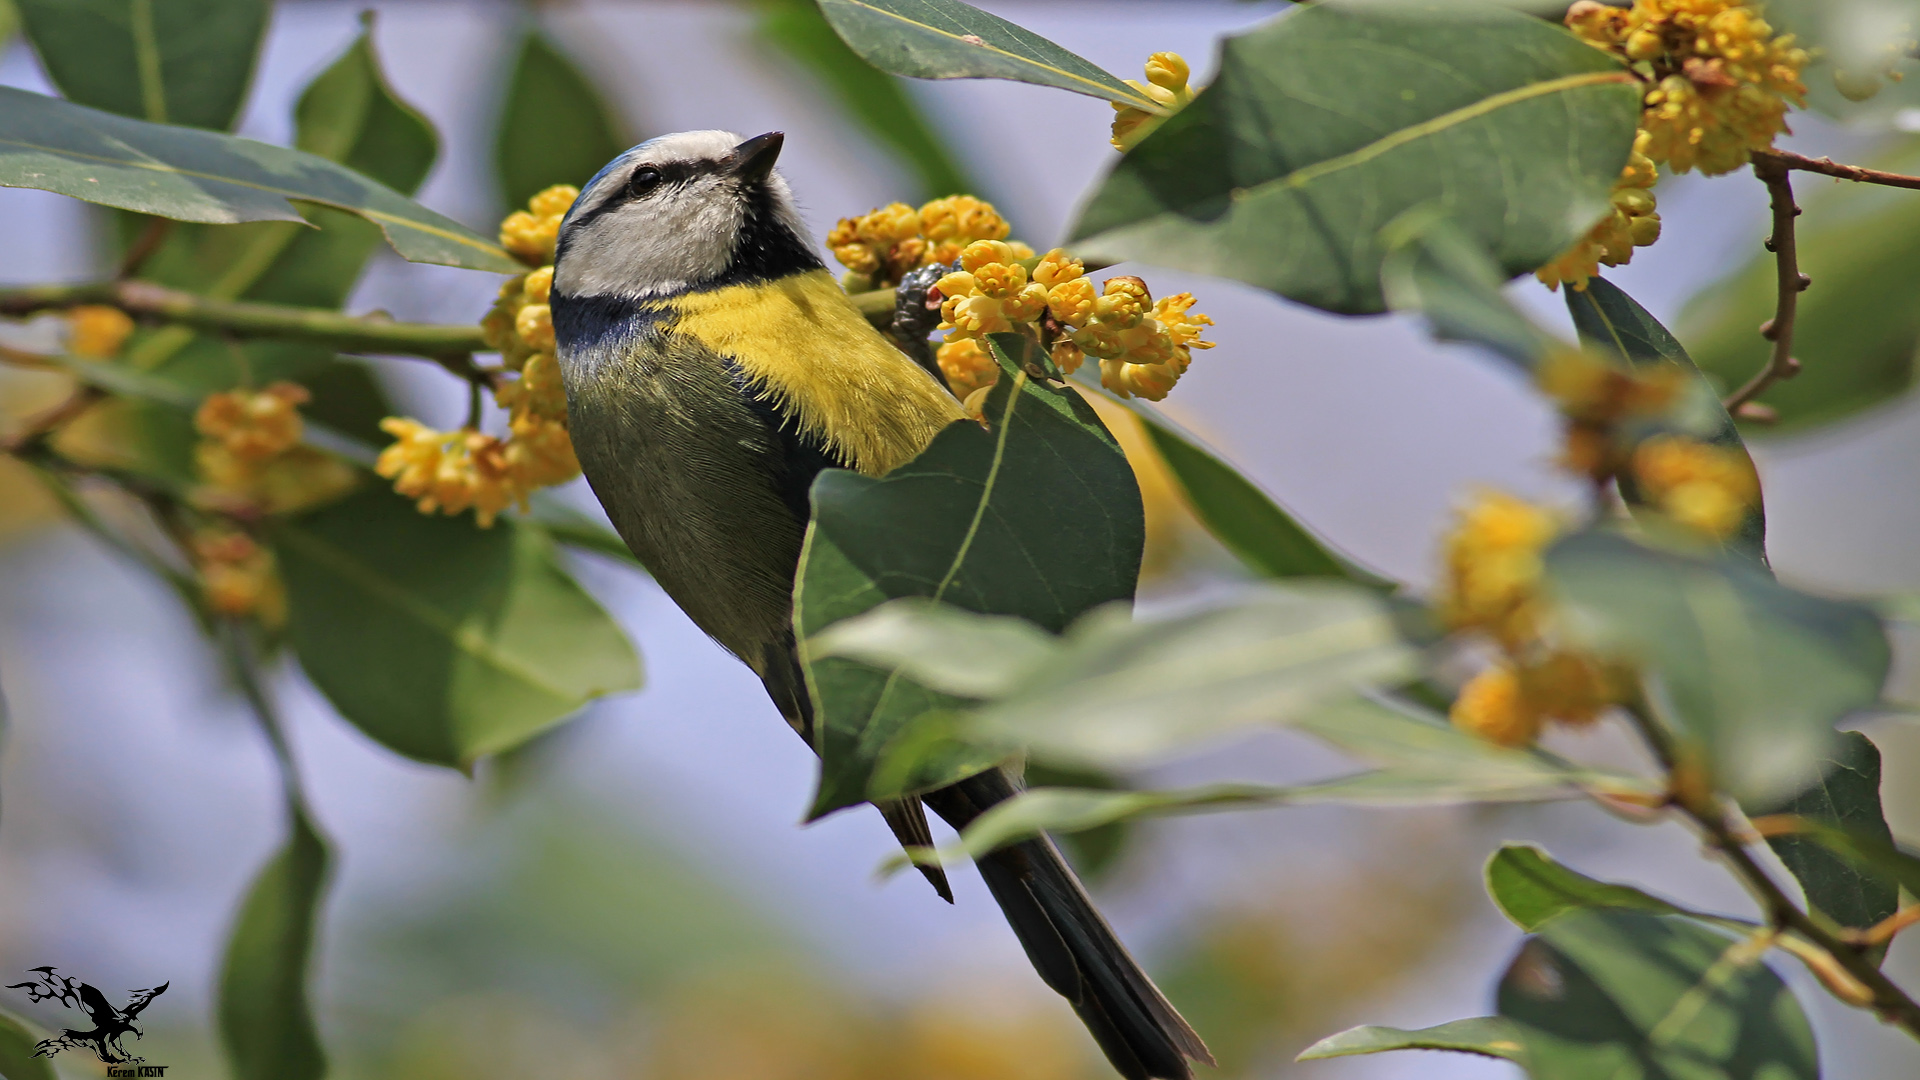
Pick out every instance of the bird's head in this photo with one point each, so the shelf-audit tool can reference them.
(682, 212)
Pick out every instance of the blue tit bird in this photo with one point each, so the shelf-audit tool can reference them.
(713, 367)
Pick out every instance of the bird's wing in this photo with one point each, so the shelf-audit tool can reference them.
(141, 998)
(95, 1005)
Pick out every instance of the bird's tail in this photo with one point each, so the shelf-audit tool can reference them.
(1073, 948)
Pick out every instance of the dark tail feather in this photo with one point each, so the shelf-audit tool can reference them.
(1073, 948)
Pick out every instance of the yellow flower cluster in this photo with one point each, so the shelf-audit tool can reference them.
(1143, 347)
(249, 457)
(530, 234)
(96, 331)
(1595, 396)
(451, 471)
(1166, 84)
(1703, 487)
(1492, 580)
(237, 576)
(1719, 80)
(1632, 221)
(879, 248)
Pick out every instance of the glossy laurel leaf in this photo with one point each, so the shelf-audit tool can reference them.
(185, 62)
(18, 1061)
(1613, 992)
(192, 175)
(266, 1021)
(440, 640)
(946, 39)
(1489, 1036)
(1530, 888)
(1330, 121)
(1845, 797)
(555, 126)
(1038, 518)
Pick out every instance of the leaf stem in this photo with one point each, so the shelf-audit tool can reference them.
(1787, 159)
(1789, 284)
(450, 346)
(237, 645)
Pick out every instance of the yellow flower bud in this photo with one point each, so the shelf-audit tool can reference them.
(1056, 267)
(1071, 302)
(538, 285)
(554, 202)
(1491, 706)
(967, 366)
(1704, 487)
(97, 331)
(534, 324)
(998, 280)
(528, 238)
(984, 252)
(1168, 71)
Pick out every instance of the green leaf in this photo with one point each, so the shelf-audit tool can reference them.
(1490, 1036)
(1613, 322)
(1037, 518)
(945, 39)
(1864, 848)
(554, 126)
(1422, 759)
(169, 61)
(1847, 796)
(350, 115)
(440, 640)
(17, 1059)
(1531, 888)
(266, 1023)
(878, 102)
(947, 648)
(1260, 532)
(1433, 267)
(1607, 992)
(1856, 329)
(1096, 851)
(192, 175)
(1328, 122)
(1754, 672)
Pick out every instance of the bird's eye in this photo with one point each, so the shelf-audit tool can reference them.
(644, 179)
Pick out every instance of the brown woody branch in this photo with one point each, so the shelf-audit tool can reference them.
(1787, 159)
(1789, 284)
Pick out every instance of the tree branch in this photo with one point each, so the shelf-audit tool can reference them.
(1789, 284)
(450, 346)
(1703, 807)
(1787, 159)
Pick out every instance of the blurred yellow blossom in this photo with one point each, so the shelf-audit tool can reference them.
(238, 577)
(96, 331)
(249, 460)
(1719, 80)
(1632, 221)
(1595, 396)
(1166, 85)
(1493, 566)
(1491, 706)
(1701, 486)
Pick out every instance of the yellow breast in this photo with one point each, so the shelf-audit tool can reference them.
(801, 341)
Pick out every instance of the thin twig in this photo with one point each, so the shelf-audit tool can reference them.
(450, 346)
(1789, 284)
(1707, 814)
(1787, 159)
(1884, 931)
(237, 644)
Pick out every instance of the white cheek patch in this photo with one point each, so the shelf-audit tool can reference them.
(654, 246)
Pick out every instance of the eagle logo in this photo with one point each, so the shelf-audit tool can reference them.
(109, 1023)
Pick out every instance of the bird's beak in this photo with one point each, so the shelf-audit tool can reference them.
(752, 160)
